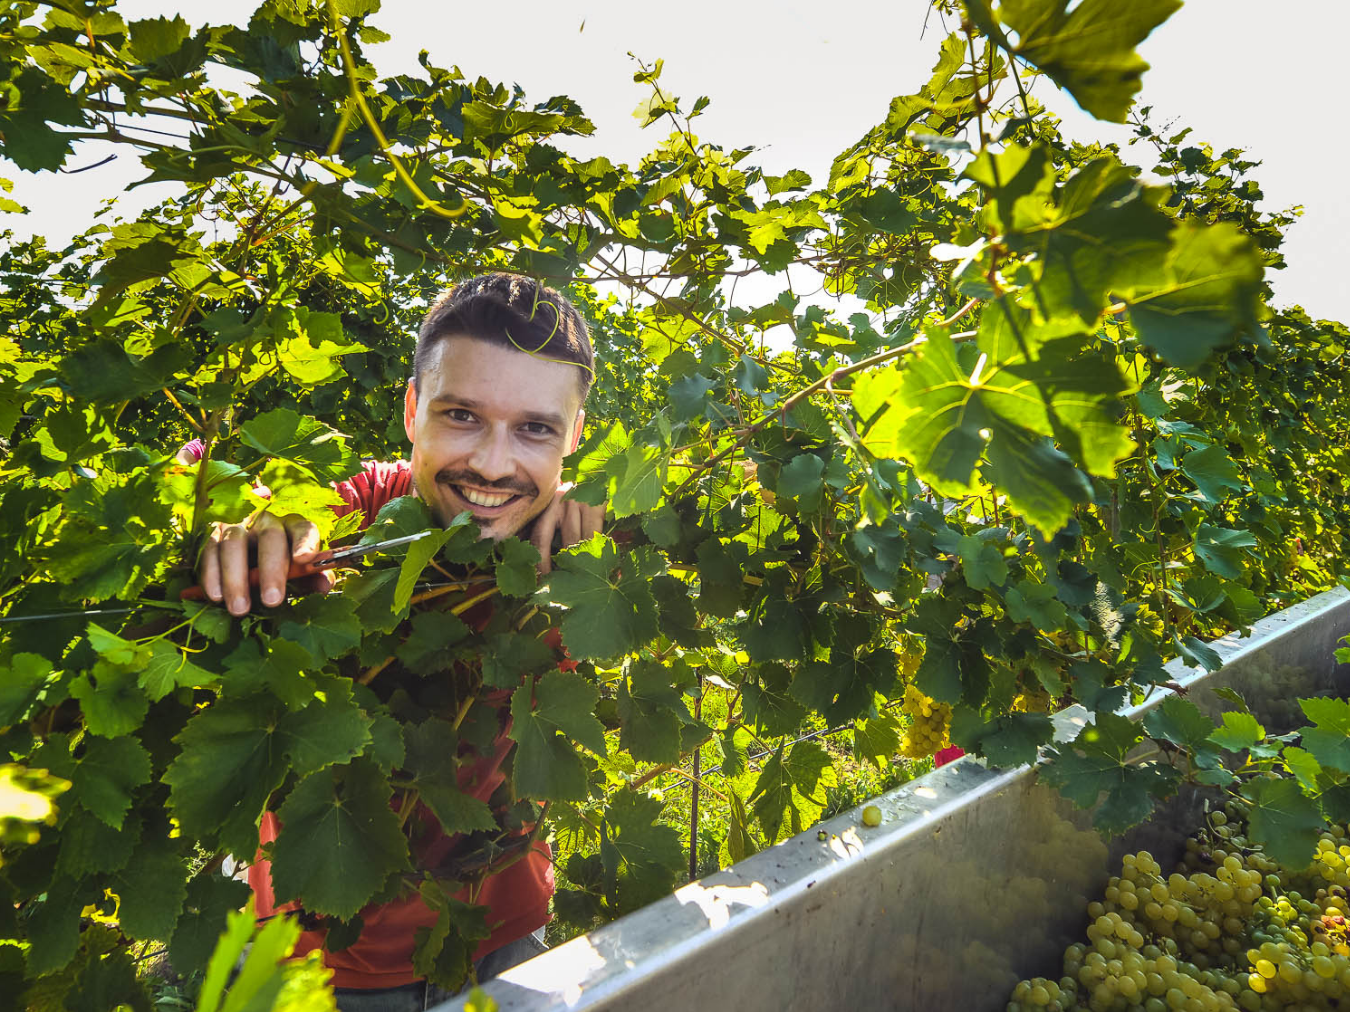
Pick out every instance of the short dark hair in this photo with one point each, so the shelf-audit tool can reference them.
(514, 312)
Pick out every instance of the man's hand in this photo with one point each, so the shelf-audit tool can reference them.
(224, 563)
(575, 520)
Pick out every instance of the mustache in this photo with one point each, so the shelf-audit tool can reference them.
(451, 477)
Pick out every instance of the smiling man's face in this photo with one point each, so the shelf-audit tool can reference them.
(489, 427)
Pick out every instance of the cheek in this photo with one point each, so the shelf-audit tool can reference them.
(437, 444)
(544, 466)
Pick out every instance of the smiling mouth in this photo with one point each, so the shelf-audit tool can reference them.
(485, 500)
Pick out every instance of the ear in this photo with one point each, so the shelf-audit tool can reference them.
(410, 412)
(576, 430)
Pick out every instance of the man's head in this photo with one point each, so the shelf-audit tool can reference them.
(501, 371)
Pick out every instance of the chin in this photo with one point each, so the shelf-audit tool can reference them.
(497, 528)
(492, 530)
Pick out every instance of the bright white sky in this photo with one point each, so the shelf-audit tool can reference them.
(803, 80)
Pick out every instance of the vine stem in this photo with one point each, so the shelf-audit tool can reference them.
(436, 592)
(369, 674)
(196, 425)
(650, 775)
(698, 783)
(528, 848)
(693, 794)
(1157, 524)
(1017, 80)
(959, 313)
(209, 433)
(980, 102)
(462, 712)
(407, 805)
(821, 384)
(465, 605)
(349, 68)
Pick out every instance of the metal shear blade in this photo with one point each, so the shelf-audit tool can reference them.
(343, 555)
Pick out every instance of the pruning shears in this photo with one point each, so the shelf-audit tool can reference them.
(334, 558)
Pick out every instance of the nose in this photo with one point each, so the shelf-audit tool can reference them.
(492, 456)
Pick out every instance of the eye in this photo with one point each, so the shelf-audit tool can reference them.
(538, 429)
(457, 414)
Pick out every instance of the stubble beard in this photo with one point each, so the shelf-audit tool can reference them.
(450, 479)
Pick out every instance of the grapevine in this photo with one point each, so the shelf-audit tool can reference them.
(1037, 432)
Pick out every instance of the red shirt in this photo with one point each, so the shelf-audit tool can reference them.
(516, 897)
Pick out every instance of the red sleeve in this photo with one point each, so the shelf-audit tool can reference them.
(375, 484)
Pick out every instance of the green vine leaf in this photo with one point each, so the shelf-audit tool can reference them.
(1209, 297)
(517, 575)
(285, 434)
(323, 626)
(1008, 740)
(208, 899)
(1283, 821)
(1329, 738)
(512, 657)
(1221, 549)
(946, 418)
(790, 791)
(650, 714)
(1096, 767)
(110, 699)
(349, 841)
(419, 556)
(151, 890)
(20, 681)
(444, 952)
(610, 609)
(237, 752)
(107, 775)
(429, 648)
(1088, 51)
(641, 857)
(543, 716)
(1239, 731)
(431, 760)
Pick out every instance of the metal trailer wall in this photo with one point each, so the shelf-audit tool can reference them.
(975, 878)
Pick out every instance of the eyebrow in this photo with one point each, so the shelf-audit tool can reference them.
(547, 417)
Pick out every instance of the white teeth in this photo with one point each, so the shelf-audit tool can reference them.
(482, 499)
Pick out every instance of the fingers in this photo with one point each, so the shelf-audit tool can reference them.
(234, 540)
(576, 521)
(316, 583)
(208, 566)
(542, 538)
(274, 558)
(304, 537)
(223, 568)
(592, 520)
(571, 523)
(581, 522)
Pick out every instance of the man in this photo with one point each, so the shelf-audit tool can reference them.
(500, 376)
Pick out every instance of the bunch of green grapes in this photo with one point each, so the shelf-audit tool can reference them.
(929, 724)
(1300, 955)
(910, 653)
(1229, 929)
